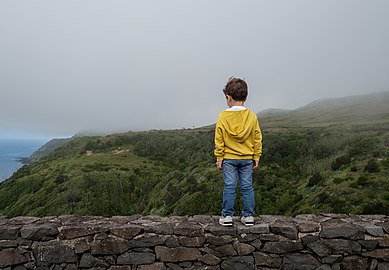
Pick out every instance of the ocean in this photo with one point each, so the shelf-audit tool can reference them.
(11, 150)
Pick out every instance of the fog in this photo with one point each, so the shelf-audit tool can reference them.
(71, 66)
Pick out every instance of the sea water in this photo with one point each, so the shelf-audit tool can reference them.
(13, 149)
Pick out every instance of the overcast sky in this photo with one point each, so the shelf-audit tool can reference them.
(69, 66)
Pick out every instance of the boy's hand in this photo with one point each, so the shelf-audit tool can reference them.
(255, 164)
(219, 164)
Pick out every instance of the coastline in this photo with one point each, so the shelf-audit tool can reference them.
(15, 153)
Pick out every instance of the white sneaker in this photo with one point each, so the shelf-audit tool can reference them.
(248, 221)
(225, 221)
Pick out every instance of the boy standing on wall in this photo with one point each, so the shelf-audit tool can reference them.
(238, 147)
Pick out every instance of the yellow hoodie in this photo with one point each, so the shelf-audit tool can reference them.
(237, 135)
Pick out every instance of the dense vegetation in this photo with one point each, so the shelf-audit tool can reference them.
(173, 173)
(341, 167)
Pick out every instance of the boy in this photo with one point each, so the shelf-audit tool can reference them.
(238, 147)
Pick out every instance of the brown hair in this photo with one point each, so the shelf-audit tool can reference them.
(236, 88)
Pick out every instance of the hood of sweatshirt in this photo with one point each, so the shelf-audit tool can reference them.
(238, 124)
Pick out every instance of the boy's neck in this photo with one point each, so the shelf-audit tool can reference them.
(232, 103)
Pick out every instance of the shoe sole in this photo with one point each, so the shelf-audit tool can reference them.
(225, 224)
(248, 223)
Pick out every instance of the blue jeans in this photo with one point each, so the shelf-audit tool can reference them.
(234, 169)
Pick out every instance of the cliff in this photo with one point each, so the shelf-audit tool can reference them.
(328, 241)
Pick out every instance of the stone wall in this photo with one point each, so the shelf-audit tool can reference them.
(135, 242)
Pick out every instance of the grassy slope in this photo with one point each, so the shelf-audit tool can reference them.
(359, 110)
(172, 172)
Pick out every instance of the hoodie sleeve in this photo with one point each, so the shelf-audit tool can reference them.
(219, 141)
(257, 141)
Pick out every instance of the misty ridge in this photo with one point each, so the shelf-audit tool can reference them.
(331, 155)
(346, 110)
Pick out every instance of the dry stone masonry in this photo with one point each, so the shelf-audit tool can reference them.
(328, 241)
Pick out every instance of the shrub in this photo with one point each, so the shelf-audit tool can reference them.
(353, 184)
(354, 168)
(362, 181)
(338, 180)
(385, 162)
(372, 166)
(315, 179)
(364, 146)
(375, 207)
(339, 162)
(323, 197)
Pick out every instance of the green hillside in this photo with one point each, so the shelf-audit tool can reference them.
(346, 111)
(336, 163)
(44, 150)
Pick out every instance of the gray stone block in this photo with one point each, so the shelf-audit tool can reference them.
(300, 261)
(308, 226)
(179, 254)
(147, 240)
(159, 228)
(354, 263)
(120, 267)
(368, 244)
(226, 250)
(374, 230)
(81, 245)
(8, 244)
(319, 248)
(381, 254)
(244, 238)
(191, 241)
(53, 252)
(286, 229)
(332, 259)
(342, 246)
(136, 258)
(263, 259)
(154, 266)
(340, 229)
(282, 247)
(9, 232)
(109, 246)
(384, 225)
(383, 266)
(76, 231)
(88, 261)
(257, 244)
(218, 230)
(210, 259)
(39, 232)
(270, 237)
(127, 231)
(9, 257)
(324, 267)
(242, 248)
(239, 262)
(188, 229)
(219, 240)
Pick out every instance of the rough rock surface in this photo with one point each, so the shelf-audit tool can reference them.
(327, 242)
